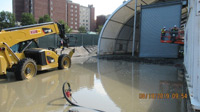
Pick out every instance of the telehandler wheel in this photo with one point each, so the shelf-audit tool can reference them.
(64, 61)
(25, 69)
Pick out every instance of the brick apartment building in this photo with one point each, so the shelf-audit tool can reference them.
(56, 9)
(73, 15)
(80, 16)
(100, 20)
(64, 10)
(92, 20)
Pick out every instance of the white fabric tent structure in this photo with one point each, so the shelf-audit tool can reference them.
(117, 33)
(116, 36)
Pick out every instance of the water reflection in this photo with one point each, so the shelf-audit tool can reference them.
(112, 86)
(124, 81)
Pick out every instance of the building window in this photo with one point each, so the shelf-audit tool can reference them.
(72, 6)
(75, 10)
(72, 10)
(75, 23)
(75, 15)
(71, 27)
(76, 19)
(72, 23)
(86, 20)
(72, 19)
(51, 3)
(75, 6)
(86, 24)
(51, 8)
(75, 27)
(71, 14)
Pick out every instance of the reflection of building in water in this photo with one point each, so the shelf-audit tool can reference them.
(8, 98)
(124, 81)
(31, 94)
(38, 93)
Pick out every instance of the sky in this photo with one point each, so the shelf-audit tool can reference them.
(6, 5)
(102, 7)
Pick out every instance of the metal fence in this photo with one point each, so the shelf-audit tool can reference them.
(82, 39)
(74, 40)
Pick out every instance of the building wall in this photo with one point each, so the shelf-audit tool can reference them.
(85, 17)
(28, 6)
(18, 8)
(100, 20)
(56, 9)
(192, 53)
(59, 10)
(153, 18)
(92, 20)
(40, 8)
(73, 15)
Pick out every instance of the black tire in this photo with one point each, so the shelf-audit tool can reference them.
(64, 61)
(25, 69)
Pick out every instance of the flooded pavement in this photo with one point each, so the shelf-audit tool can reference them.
(111, 86)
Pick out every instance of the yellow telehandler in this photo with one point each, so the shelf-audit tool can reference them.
(20, 53)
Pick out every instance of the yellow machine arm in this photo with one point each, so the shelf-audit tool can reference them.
(12, 36)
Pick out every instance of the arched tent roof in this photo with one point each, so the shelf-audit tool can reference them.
(118, 29)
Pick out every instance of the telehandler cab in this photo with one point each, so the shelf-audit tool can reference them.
(20, 53)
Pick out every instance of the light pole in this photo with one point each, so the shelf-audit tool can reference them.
(134, 28)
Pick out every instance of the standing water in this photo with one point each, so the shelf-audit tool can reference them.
(111, 86)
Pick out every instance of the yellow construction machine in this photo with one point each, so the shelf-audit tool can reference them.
(20, 53)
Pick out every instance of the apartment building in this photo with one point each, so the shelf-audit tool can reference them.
(73, 15)
(85, 17)
(56, 9)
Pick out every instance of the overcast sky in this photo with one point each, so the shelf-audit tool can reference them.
(104, 7)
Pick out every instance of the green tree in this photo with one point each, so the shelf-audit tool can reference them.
(67, 28)
(99, 28)
(41, 20)
(27, 19)
(82, 29)
(7, 19)
(45, 18)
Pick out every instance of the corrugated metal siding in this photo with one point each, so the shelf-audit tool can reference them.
(152, 20)
(192, 54)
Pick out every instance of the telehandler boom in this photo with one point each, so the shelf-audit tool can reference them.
(20, 53)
